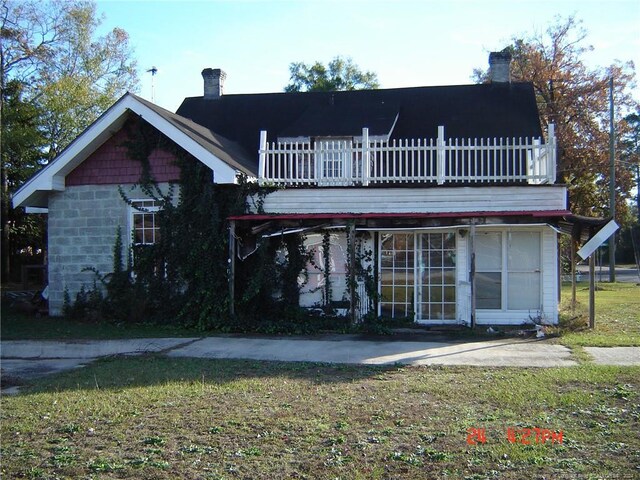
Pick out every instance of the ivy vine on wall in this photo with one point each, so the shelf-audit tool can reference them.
(184, 276)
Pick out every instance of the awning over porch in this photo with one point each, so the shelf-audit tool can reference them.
(403, 285)
(249, 229)
(579, 227)
(582, 229)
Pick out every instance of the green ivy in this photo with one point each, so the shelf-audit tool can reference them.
(184, 277)
(362, 270)
(326, 258)
(185, 273)
(295, 263)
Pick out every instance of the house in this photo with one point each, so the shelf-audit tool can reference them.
(451, 191)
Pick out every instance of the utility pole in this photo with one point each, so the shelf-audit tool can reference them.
(638, 190)
(612, 185)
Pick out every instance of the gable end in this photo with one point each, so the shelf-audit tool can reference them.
(110, 165)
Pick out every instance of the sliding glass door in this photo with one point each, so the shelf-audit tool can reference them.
(418, 276)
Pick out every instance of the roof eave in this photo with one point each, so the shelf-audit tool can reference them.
(51, 177)
(383, 215)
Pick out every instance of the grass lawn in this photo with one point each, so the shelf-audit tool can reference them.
(617, 316)
(160, 418)
(617, 322)
(153, 417)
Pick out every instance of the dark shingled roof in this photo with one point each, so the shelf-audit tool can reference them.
(226, 150)
(465, 111)
(343, 121)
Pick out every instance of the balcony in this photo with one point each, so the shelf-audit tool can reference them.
(364, 161)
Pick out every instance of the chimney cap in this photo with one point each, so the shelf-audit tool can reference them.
(215, 72)
(213, 83)
(503, 56)
(500, 66)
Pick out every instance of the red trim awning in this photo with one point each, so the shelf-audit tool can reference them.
(355, 216)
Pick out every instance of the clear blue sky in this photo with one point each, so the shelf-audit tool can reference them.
(407, 43)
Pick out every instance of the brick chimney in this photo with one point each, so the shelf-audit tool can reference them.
(213, 83)
(499, 63)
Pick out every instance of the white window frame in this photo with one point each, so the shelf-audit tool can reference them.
(506, 270)
(333, 159)
(420, 285)
(500, 270)
(152, 208)
(413, 305)
(409, 302)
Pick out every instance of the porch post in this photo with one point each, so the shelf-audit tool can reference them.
(440, 155)
(352, 271)
(472, 272)
(365, 157)
(535, 169)
(592, 290)
(232, 266)
(262, 156)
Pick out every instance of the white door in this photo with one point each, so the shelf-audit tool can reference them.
(436, 292)
(418, 276)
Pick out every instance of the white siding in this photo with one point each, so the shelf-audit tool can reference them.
(417, 200)
(550, 275)
(311, 293)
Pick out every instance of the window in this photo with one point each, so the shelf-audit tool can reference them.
(489, 270)
(523, 250)
(145, 232)
(508, 266)
(437, 276)
(333, 156)
(144, 227)
(396, 274)
(418, 275)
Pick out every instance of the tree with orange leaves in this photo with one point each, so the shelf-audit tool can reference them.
(575, 98)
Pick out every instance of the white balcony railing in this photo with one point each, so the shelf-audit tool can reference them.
(440, 160)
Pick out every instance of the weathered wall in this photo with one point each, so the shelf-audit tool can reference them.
(84, 218)
(83, 223)
(417, 200)
(312, 292)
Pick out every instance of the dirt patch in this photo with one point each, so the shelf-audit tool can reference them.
(8, 381)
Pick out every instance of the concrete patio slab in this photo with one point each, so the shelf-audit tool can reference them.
(87, 348)
(614, 355)
(24, 359)
(505, 352)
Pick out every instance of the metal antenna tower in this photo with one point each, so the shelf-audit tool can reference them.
(153, 71)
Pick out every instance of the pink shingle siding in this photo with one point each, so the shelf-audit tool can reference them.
(110, 165)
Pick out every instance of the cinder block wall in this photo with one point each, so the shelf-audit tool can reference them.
(83, 222)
